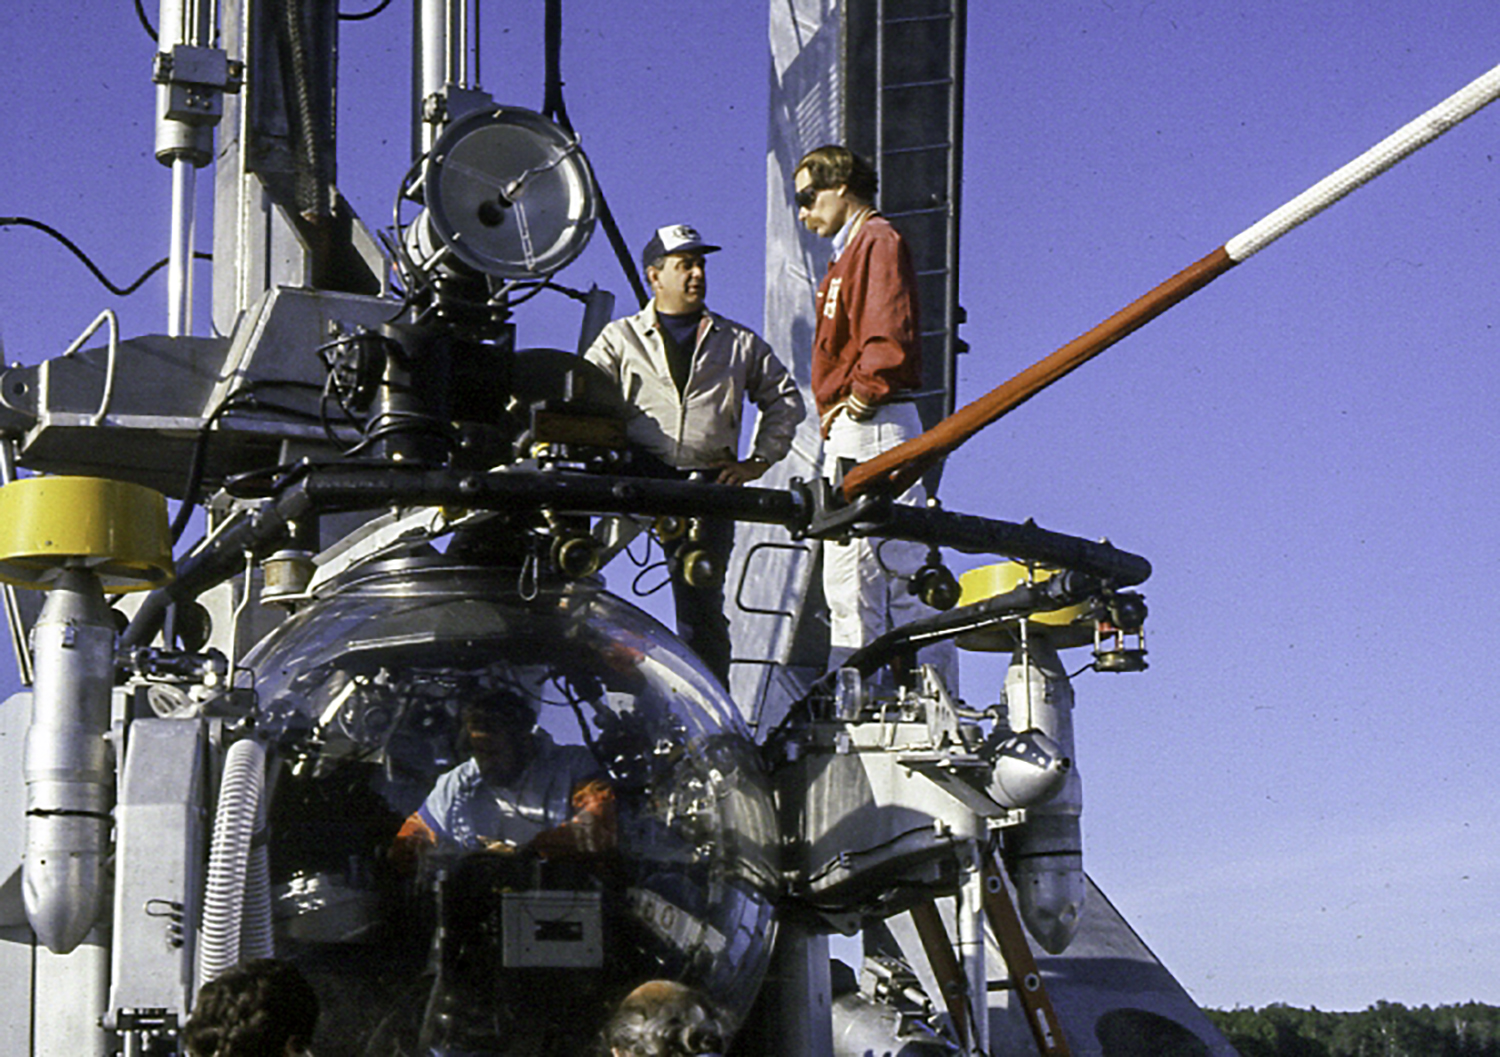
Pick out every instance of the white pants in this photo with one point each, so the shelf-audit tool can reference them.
(867, 580)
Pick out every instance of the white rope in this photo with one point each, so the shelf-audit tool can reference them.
(1367, 166)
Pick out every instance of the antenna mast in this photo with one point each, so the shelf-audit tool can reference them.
(191, 76)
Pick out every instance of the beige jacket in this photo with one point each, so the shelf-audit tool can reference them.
(701, 427)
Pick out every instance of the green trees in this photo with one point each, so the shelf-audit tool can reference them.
(1386, 1029)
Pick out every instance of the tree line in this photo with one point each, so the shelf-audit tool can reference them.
(1386, 1029)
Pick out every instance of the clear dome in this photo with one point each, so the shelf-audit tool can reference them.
(640, 836)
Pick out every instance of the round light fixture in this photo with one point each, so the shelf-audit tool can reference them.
(509, 193)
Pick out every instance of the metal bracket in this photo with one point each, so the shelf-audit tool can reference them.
(833, 518)
(739, 601)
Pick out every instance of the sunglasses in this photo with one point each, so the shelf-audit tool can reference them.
(807, 196)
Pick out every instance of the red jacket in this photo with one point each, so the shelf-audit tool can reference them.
(867, 342)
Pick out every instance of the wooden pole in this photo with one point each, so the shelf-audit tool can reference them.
(944, 964)
(1025, 976)
(896, 469)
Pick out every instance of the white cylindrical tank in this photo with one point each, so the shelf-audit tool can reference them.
(1045, 853)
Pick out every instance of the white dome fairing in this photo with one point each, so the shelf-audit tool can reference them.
(361, 695)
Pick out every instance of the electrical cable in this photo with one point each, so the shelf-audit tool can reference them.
(195, 474)
(392, 255)
(842, 857)
(880, 560)
(635, 584)
(566, 291)
(140, 12)
(554, 108)
(564, 685)
(325, 421)
(118, 291)
(232, 401)
(358, 16)
(414, 280)
(645, 559)
(392, 423)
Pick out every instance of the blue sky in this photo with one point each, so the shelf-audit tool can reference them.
(1295, 803)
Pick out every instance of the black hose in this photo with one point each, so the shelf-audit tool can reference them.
(257, 534)
(554, 108)
(1066, 588)
(140, 13)
(197, 462)
(331, 489)
(360, 16)
(118, 291)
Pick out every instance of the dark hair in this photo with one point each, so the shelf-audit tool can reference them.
(253, 1010)
(835, 166)
(663, 1018)
(501, 705)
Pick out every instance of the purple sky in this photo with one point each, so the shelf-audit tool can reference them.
(1295, 803)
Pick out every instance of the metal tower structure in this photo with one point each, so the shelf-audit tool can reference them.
(904, 110)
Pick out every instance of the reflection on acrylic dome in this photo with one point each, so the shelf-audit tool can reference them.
(456, 881)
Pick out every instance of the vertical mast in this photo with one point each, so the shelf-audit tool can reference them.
(440, 60)
(190, 75)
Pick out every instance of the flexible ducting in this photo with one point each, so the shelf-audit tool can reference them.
(227, 905)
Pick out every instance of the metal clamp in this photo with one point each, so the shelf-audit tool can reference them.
(833, 518)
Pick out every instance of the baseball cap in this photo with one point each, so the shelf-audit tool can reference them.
(674, 238)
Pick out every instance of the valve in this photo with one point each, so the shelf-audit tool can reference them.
(575, 556)
(698, 568)
(934, 584)
(670, 527)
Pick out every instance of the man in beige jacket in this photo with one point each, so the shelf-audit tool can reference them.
(686, 373)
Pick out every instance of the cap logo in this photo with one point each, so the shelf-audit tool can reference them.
(678, 235)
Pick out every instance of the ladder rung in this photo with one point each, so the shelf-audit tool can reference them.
(916, 84)
(889, 151)
(915, 212)
(945, 16)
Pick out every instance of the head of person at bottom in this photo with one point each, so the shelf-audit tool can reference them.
(676, 269)
(264, 1008)
(499, 729)
(832, 184)
(663, 1018)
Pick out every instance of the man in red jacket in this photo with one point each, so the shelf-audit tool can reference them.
(866, 363)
